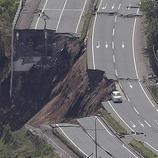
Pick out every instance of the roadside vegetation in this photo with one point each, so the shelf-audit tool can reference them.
(22, 144)
(112, 122)
(7, 12)
(142, 149)
(150, 10)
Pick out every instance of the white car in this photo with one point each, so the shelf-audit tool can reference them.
(116, 97)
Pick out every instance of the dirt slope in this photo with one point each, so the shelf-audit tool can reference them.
(78, 95)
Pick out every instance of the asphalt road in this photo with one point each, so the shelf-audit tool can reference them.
(119, 61)
(80, 140)
(105, 138)
(64, 16)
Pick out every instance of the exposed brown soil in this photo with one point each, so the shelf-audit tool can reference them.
(57, 89)
(80, 94)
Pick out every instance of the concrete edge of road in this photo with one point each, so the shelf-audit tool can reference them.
(124, 142)
(72, 147)
(42, 135)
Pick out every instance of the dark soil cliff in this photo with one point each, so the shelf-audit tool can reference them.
(59, 88)
(79, 94)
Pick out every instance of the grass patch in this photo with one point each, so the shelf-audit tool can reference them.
(112, 122)
(22, 144)
(142, 149)
(86, 25)
(154, 92)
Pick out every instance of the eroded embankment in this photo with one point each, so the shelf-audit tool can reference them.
(61, 88)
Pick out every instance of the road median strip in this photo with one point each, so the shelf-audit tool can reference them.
(112, 122)
(142, 149)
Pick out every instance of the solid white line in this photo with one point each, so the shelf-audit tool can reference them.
(120, 117)
(119, 6)
(104, 127)
(32, 128)
(41, 14)
(113, 31)
(71, 140)
(134, 59)
(140, 123)
(136, 110)
(56, 144)
(135, 65)
(151, 146)
(147, 96)
(93, 37)
(113, 45)
(133, 125)
(115, 18)
(147, 123)
(61, 15)
(116, 72)
(113, 58)
(80, 17)
(129, 151)
(75, 10)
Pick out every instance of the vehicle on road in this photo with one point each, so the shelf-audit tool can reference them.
(116, 97)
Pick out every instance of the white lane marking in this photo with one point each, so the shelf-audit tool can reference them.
(120, 117)
(93, 36)
(134, 59)
(104, 127)
(135, 65)
(56, 144)
(81, 16)
(119, 6)
(105, 6)
(116, 72)
(106, 44)
(61, 15)
(113, 58)
(128, 8)
(147, 96)
(147, 123)
(75, 10)
(71, 140)
(141, 123)
(98, 45)
(151, 146)
(130, 85)
(113, 6)
(113, 46)
(115, 18)
(41, 14)
(123, 44)
(113, 31)
(32, 128)
(133, 125)
(128, 99)
(136, 110)
(129, 151)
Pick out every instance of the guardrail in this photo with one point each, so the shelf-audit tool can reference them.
(12, 44)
